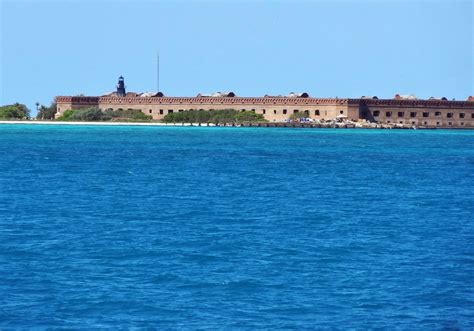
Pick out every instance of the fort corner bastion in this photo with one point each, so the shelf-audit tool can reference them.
(407, 110)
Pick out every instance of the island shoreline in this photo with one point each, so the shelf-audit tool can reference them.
(244, 125)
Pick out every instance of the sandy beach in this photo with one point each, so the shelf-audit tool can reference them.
(102, 123)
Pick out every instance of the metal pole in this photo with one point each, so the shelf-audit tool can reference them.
(158, 72)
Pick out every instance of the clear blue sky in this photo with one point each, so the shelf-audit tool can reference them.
(326, 48)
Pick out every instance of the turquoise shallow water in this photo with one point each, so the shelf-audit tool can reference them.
(235, 228)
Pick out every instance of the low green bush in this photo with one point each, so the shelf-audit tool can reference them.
(66, 116)
(213, 116)
(95, 114)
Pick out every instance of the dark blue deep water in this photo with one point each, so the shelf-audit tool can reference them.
(236, 228)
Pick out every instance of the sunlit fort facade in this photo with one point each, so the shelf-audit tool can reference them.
(408, 110)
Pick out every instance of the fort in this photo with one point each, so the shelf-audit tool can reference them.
(406, 110)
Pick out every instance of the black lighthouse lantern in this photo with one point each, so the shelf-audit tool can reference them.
(121, 87)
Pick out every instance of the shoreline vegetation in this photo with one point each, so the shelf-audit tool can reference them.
(15, 111)
(20, 114)
(224, 116)
(97, 115)
(215, 117)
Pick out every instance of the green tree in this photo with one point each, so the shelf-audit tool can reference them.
(95, 114)
(125, 114)
(249, 116)
(213, 116)
(15, 111)
(188, 116)
(180, 117)
(46, 113)
(223, 116)
(89, 114)
(66, 116)
(202, 116)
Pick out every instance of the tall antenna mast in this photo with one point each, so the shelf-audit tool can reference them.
(158, 71)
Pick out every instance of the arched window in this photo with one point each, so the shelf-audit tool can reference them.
(316, 112)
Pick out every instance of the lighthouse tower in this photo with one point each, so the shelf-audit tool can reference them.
(121, 87)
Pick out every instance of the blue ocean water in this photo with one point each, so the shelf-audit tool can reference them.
(236, 228)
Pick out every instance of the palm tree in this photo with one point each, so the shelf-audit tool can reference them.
(37, 108)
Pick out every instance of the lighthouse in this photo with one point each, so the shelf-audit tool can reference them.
(121, 87)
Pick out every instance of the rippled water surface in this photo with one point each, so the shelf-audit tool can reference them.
(245, 228)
